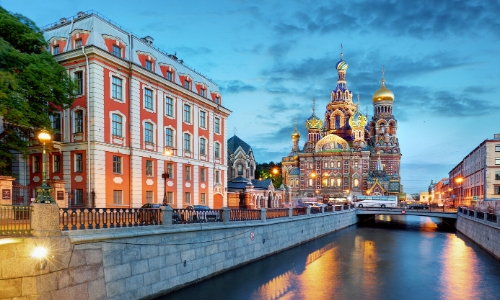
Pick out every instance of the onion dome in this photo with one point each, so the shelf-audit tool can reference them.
(357, 121)
(383, 94)
(341, 65)
(295, 133)
(314, 123)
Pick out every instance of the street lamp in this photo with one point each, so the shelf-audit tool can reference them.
(168, 153)
(459, 181)
(44, 192)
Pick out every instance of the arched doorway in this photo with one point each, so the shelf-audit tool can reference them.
(218, 201)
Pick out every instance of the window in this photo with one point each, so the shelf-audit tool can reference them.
(55, 49)
(117, 51)
(187, 197)
(338, 164)
(169, 107)
(169, 137)
(217, 176)
(240, 170)
(56, 121)
(356, 182)
(187, 172)
(187, 84)
(149, 65)
(497, 190)
(325, 164)
(332, 182)
(497, 148)
(117, 197)
(203, 119)
(148, 99)
(339, 182)
(310, 182)
(79, 121)
(78, 197)
(202, 92)
(117, 164)
(170, 197)
(497, 161)
(217, 125)
(497, 175)
(149, 196)
(148, 132)
(296, 182)
(78, 44)
(149, 168)
(217, 99)
(203, 174)
(187, 142)
(170, 170)
(168, 75)
(56, 167)
(78, 77)
(355, 164)
(203, 198)
(116, 88)
(217, 150)
(116, 125)
(202, 146)
(36, 164)
(78, 162)
(187, 113)
(331, 164)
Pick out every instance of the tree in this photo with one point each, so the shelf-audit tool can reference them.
(265, 170)
(33, 85)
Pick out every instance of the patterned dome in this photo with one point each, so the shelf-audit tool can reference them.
(357, 121)
(314, 122)
(341, 65)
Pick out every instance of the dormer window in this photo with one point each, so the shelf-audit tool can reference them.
(202, 92)
(187, 84)
(217, 99)
(55, 50)
(168, 75)
(78, 43)
(149, 65)
(117, 51)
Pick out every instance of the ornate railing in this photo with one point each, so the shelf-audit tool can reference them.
(277, 213)
(471, 213)
(328, 208)
(97, 218)
(491, 217)
(188, 216)
(244, 214)
(480, 215)
(15, 220)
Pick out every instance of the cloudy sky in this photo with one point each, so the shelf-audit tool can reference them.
(270, 58)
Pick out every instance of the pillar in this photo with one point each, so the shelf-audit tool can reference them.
(6, 190)
(59, 193)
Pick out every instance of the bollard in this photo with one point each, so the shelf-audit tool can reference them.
(263, 214)
(290, 212)
(226, 215)
(166, 219)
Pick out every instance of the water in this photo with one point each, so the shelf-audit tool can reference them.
(395, 257)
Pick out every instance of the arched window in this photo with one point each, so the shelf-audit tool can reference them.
(240, 169)
(310, 182)
(339, 182)
(356, 182)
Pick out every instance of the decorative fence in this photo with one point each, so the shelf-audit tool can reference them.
(486, 217)
(15, 220)
(277, 213)
(244, 214)
(97, 218)
(297, 211)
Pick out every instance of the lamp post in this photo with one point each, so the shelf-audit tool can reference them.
(44, 191)
(168, 152)
(459, 181)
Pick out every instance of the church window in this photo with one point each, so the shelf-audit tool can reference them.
(296, 182)
(310, 182)
(240, 169)
(339, 182)
(331, 164)
(332, 182)
(355, 164)
(338, 164)
(356, 182)
(337, 122)
(310, 165)
(326, 164)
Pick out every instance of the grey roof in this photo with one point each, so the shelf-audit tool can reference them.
(263, 184)
(234, 142)
(294, 171)
(238, 183)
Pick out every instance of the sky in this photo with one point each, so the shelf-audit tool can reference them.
(271, 58)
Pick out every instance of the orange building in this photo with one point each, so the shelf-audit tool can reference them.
(143, 128)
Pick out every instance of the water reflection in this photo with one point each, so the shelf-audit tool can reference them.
(390, 257)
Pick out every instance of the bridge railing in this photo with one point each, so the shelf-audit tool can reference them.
(480, 216)
(277, 213)
(298, 211)
(244, 214)
(15, 220)
(189, 216)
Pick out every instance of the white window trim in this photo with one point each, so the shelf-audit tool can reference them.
(220, 125)
(220, 151)
(73, 121)
(75, 164)
(190, 113)
(206, 118)
(174, 104)
(144, 87)
(144, 128)
(165, 136)
(124, 84)
(72, 76)
(190, 139)
(124, 126)
(206, 146)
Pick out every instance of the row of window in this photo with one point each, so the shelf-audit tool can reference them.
(118, 197)
(56, 163)
(333, 182)
(332, 164)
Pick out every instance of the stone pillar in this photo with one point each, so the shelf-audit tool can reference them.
(322, 209)
(263, 214)
(6, 190)
(290, 212)
(498, 220)
(226, 215)
(59, 193)
(166, 215)
(45, 220)
(248, 200)
(475, 214)
(308, 210)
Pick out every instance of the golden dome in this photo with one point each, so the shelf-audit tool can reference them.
(295, 134)
(383, 94)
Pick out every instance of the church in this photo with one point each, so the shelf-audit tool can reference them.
(346, 155)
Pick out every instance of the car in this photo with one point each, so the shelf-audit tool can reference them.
(201, 213)
(418, 206)
(198, 207)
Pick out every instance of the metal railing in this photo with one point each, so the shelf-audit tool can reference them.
(298, 211)
(15, 220)
(277, 213)
(189, 216)
(480, 215)
(244, 214)
(97, 218)
(491, 217)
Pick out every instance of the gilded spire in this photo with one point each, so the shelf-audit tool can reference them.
(341, 54)
(314, 106)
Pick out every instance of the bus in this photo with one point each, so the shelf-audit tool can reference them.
(376, 201)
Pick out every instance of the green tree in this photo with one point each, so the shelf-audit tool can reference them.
(265, 170)
(33, 85)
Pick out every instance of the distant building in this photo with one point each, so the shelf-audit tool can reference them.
(140, 113)
(477, 176)
(344, 153)
(240, 159)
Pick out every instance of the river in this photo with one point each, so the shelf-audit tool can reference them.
(393, 257)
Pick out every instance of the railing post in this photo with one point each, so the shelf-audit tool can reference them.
(498, 220)
(45, 219)
(226, 215)
(322, 209)
(290, 212)
(475, 214)
(263, 214)
(308, 210)
(166, 219)
(485, 216)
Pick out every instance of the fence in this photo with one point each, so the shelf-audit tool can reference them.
(277, 213)
(488, 218)
(15, 220)
(244, 214)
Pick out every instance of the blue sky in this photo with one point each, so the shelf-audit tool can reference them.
(270, 58)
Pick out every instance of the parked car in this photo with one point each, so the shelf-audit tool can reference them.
(201, 213)
(418, 206)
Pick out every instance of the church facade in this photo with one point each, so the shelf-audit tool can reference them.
(345, 154)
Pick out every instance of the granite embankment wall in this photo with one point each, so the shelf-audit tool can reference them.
(149, 261)
(484, 233)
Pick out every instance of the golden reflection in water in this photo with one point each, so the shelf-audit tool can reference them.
(386, 218)
(364, 266)
(277, 288)
(460, 276)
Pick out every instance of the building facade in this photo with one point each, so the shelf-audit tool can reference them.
(477, 176)
(346, 155)
(144, 128)
(240, 159)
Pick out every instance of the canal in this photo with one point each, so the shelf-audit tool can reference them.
(391, 257)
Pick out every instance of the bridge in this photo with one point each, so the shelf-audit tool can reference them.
(447, 214)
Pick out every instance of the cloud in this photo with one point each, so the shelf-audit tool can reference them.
(237, 86)
(192, 51)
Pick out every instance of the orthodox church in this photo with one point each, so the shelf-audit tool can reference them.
(344, 154)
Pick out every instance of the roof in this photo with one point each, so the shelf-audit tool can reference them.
(234, 142)
(294, 171)
(263, 184)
